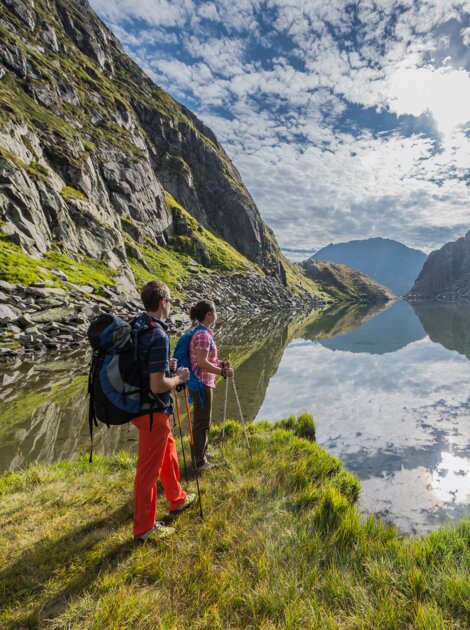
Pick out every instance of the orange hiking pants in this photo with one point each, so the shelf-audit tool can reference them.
(157, 458)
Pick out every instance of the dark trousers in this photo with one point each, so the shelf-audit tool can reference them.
(201, 423)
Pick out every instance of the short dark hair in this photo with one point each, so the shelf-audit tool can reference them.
(152, 294)
(200, 310)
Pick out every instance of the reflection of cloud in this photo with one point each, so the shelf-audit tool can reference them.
(375, 410)
(274, 78)
(451, 480)
(377, 396)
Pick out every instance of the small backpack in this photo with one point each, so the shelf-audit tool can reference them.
(182, 354)
(116, 385)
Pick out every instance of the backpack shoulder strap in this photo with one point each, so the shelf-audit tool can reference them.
(201, 327)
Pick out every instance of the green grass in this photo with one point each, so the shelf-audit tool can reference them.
(72, 194)
(170, 264)
(281, 546)
(296, 279)
(25, 109)
(38, 168)
(17, 267)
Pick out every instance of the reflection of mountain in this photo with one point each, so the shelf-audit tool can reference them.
(447, 324)
(43, 413)
(255, 368)
(392, 329)
(340, 319)
(44, 405)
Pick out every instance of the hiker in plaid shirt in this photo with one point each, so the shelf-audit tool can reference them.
(206, 366)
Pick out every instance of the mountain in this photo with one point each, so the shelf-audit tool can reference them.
(99, 167)
(343, 282)
(446, 273)
(388, 262)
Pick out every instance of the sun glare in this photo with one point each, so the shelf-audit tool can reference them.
(445, 93)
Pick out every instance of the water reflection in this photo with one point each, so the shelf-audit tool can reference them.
(447, 324)
(392, 328)
(388, 387)
(392, 409)
(44, 411)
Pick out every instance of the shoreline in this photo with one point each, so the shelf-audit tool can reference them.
(37, 319)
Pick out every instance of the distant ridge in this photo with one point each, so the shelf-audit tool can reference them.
(388, 262)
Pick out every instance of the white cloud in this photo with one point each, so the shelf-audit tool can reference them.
(283, 102)
(444, 92)
(465, 34)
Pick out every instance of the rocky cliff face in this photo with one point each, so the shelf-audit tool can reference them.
(446, 273)
(345, 283)
(90, 147)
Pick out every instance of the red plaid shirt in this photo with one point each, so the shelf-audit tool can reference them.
(201, 340)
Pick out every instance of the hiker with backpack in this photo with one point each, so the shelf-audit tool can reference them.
(198, 349)
(157, 456)
(130, 380)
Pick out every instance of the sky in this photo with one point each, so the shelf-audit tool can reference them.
(346, 120)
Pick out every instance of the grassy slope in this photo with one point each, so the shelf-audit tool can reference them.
(344, 282)
(281, 546)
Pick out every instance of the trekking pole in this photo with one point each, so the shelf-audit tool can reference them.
(225, 409)
(181, 434)
(191, 441)
(241, 416)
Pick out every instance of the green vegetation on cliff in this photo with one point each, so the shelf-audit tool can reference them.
(17, 266)
(199, 241)
(282, 545)
(172, 263)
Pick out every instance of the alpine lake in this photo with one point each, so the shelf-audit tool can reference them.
(388, 387)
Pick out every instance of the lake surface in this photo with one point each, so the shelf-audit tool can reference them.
(388, 388)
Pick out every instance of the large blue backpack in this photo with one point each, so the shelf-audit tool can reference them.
(116, 386)
(182, 354)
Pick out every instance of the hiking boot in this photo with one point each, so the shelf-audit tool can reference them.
(159, 530)
(184, 506)
(205, 466)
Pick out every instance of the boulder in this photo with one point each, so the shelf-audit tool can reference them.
(8, 314)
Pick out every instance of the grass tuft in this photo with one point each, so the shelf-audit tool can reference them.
(72, 194)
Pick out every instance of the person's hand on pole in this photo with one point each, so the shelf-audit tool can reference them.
(183, 374)
(229, 372)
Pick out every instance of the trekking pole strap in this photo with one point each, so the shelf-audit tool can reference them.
(188, 415)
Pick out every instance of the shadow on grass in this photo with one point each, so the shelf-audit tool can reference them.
(28, 577)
